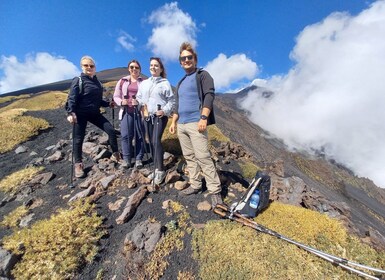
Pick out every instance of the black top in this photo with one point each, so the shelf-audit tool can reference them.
(87, 100)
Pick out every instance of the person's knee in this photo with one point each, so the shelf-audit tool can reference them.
(110, 131)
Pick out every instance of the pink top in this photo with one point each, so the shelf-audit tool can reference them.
(125, 89)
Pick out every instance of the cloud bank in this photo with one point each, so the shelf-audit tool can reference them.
(38, 69)
(227, 70)
(334, 97)
(172, 28)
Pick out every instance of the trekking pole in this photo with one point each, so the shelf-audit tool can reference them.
(156, 144)
(224, 212)
(113, 117)
(71, 185)
(253, 224)
(308, 248)
(140, 130)
(135, 142)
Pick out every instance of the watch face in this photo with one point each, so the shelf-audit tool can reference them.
(203, 117)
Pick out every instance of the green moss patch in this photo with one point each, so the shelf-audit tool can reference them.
(228, 250)
(13, 182)
(13, 219)
(45, 101)
(16, 128)
(56, 248)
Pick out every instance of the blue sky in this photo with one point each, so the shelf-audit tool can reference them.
(324, 59)
(43, 40)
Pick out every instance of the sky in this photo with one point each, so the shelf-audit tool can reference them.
(324, 59)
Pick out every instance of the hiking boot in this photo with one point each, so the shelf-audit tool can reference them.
(116, 157)
(216, 199)
(138, 164)
(189, 191)
(159, 177)
(125, 164)
(151, 175)
(79, 172)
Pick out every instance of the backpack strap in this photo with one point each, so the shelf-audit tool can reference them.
(121, 83)
(80, 85)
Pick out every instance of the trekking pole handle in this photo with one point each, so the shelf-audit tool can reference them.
(159, 107)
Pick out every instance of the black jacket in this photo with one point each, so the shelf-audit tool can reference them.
(206, 93)
(87, 100)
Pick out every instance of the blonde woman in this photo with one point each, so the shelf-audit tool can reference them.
(84, 101)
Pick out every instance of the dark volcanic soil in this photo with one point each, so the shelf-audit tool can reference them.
(232, 122)
(56, 194)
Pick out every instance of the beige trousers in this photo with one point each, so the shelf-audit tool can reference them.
(196, 152)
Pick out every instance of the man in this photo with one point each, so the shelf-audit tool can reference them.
(195, 95)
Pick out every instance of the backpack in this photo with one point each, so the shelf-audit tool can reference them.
(250, 204)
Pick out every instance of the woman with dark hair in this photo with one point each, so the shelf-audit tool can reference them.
(156, 98)
(84, 101)
(131, 123)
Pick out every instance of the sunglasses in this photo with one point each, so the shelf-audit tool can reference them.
(134, 67)
(88, 65)
(185, 58)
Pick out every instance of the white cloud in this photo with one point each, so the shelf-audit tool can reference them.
(172, 28)
(125, 41)
(228, 70)
(40, 69)
(333, 98)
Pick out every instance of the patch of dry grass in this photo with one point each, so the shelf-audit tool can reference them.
(39, 102)
(228, 250)
(11, 98)
(215, 134)
(16, 128)
(171, 142)
(13, 219)
(57, 247)
(171, 242)
(249, 169)
(13, 182)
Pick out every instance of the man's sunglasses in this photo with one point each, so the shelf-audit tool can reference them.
(185, 58)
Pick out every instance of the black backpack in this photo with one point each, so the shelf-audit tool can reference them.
(248, 206)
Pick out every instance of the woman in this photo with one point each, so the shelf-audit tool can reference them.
(83, 105)
(131, 124)
(157, 100)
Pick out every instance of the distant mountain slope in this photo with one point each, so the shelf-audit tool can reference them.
(365, 200)
(104, 76)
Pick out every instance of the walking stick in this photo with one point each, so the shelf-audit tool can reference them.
(113, 117)
(225, 212)
(156, 145)
(140, 130)
(135, 142)
(71, 185)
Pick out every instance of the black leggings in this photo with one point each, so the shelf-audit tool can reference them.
(154, 128)
(80, 130)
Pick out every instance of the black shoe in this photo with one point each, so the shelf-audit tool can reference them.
(190, 190)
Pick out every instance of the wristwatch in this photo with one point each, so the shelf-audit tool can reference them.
(203, 117)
